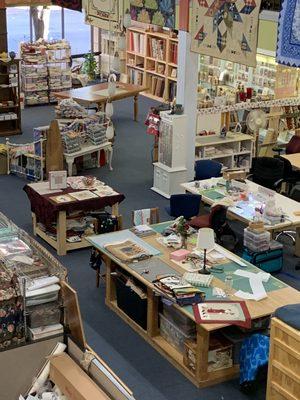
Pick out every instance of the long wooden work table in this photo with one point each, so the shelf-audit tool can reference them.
(244, 211)
(279, 294)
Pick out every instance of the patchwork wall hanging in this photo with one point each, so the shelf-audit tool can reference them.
(288, 39)
(105, 14)
(156, 12)
(226, 29)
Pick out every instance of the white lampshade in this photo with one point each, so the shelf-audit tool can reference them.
(127, 19)
(206, 239)
(110, 132)
(109, 110)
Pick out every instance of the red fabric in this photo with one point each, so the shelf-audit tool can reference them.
(102, 159)
(46, 210)
(203, 221)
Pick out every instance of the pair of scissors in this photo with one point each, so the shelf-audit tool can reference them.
(217, 270)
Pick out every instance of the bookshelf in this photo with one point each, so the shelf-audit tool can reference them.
(151, 60)
(10, 113)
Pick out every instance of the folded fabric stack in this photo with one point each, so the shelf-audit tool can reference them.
(71, 141)
(68, 108)
(96, 133)
(179, 290)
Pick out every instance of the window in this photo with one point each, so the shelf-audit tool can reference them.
(77, 32)
(18, 27)
(59, 23)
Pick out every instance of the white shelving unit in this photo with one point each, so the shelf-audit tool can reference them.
(170, 170)
(236, 150)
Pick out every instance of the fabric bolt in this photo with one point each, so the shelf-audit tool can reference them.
(288, 38)
(156, 12)
(226, 30)
(253, 355)
(46, 210)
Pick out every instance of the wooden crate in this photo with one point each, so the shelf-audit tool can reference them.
(284, 362)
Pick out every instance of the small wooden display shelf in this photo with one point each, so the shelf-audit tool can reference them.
(9, 75)
(151, 60)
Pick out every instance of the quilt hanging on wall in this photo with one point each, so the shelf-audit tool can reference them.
(105, 14)
(288, 38)
(226, 29)
(156, 12)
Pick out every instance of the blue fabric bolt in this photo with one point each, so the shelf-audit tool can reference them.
(254, 354)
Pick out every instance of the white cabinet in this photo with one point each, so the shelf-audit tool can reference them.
(167, 180)
(170, 170)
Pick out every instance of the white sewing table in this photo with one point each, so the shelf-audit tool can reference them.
(89, 149)
(245, 212)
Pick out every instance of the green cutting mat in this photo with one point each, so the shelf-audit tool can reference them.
(212, 194)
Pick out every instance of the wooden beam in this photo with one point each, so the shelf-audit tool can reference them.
(3, 28)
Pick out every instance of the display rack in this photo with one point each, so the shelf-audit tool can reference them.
(10, 113)
(45, 69)
(234, 151)
(151, 60)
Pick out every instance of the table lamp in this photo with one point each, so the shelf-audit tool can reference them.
(205, 241)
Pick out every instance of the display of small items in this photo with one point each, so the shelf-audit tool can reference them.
(91, 129)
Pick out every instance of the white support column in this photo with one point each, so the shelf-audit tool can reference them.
(187, 83)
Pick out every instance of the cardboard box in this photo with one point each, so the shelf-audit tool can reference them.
(230, 174)
(73, 381)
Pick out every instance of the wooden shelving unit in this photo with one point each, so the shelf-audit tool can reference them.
(151, 60)
(10, 113)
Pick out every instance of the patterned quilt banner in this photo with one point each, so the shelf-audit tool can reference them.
(288, 40)
(226, 29)
(156, 12)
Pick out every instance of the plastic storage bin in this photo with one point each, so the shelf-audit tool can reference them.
(173, 334)
(256, 241)
(184, 323)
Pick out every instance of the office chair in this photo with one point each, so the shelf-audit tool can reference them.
(292, 147)
(267, 172)
(294, 195)
(186, 205)
(216, 220)
(206, 169)
(290, 176)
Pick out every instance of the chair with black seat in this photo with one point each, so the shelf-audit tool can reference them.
(267, 172)
(216, 220)
(186, 205)
(290, 176)
(294, 195)
(206, 169)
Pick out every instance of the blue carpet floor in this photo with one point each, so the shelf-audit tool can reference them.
(148, 374)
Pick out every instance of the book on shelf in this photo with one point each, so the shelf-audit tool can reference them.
(173, 53)
(172, 90)
(156, 49)
(135, 76)
(157, 86)
(137, 42)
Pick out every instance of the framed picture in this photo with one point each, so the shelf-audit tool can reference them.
(58, 179)
(222, 312)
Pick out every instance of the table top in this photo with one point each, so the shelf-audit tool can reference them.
(245, 211)
(279, 293)
(209, 140)
(87, 149)
(294, 159)
(46, 209)
(98, 93)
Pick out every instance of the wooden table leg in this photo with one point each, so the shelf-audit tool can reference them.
(70, 166)
(152, 313)
(33, 223)
(297, 244)
(202, 353)
(135, 106)
(110, 293)
(115, 209)
(61, 233)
